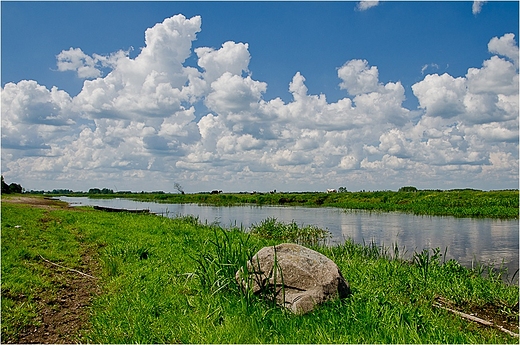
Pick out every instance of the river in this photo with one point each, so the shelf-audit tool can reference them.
(468, 240)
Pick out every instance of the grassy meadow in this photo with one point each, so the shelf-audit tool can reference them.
(502, 204)
(158, 280)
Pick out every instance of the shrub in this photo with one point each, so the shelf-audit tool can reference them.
(408, 189)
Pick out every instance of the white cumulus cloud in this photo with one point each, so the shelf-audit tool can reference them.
(477, 6)
(364, 5)
(151, 119)
(231, 57)
(155, 83)
(357, 78)
(505, 46)
(75, 60)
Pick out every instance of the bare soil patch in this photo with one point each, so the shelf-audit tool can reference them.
(36, 201)
(64, 310)
(63, 315)
(498, 315)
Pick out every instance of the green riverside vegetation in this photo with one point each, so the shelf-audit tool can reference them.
(160, 280)
(502, 204)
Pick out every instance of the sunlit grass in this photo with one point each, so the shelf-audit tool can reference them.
(173, 280)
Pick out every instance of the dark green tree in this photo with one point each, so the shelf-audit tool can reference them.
(12, 188)
(15, 188)
(408, 189)
(5, 187)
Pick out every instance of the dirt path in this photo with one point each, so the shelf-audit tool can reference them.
(62, 314)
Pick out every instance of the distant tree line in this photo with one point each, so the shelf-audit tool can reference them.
(59, 191)
(100, 191)
(408, 189)
(16, 188)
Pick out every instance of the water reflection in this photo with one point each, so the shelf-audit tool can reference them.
(467, 240)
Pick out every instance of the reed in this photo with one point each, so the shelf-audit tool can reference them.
(227, 252)
(425, 261)
(307, 235)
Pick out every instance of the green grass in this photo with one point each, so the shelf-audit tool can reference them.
(28, 234)
(307, 235)
(458, 203)
(172, 280)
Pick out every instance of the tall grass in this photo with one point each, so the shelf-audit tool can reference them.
(227, 252)
(227, 264)
(308, 235)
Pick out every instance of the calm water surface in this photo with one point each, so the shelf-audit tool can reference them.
(467, 240)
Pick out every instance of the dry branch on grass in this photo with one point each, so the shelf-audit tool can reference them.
(68, 268)
(476, 319)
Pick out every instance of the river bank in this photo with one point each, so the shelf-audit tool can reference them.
(143, 284)
(502, 204)
(467, 240)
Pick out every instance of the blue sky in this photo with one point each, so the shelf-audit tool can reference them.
(260, 95)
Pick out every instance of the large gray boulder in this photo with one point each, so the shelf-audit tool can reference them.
(300, 278)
